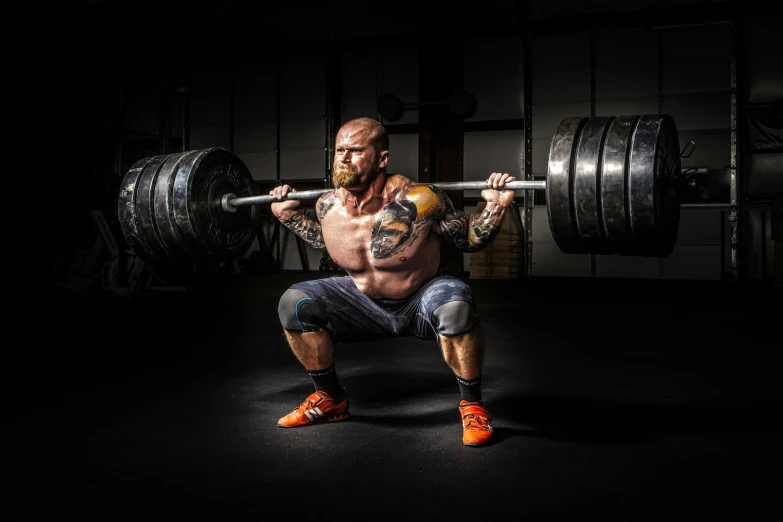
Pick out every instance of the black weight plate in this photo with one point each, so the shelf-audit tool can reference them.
(614, 186)
(171, 238)
(667, 164)
(586, 184)
(127, 213)
(650, 205)
(145, 207)
(201, 182)
(559, 186)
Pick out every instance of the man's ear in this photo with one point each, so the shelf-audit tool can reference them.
(384, 159)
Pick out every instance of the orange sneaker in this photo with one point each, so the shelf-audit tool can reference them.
(316, 408)
(476, 423)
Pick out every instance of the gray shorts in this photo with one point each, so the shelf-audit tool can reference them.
(356, 317)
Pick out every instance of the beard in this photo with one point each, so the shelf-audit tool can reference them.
(345, 175)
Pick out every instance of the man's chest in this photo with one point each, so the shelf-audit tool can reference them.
(393, 229)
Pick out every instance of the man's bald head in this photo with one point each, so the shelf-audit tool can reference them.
(376, 132)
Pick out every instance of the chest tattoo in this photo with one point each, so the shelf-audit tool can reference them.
(402, 220)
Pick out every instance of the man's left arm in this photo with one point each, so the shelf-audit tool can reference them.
(474, 232)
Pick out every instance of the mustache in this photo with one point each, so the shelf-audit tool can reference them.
(346, 168)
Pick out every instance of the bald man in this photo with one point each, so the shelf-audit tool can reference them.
(385, 231)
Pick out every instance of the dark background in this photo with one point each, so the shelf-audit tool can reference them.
(617, 400)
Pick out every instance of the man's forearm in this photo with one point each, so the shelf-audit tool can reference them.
(474, 232)
(484, 226)
(302, 226)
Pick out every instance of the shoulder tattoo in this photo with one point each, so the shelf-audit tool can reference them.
(429, 200)
(325, 204)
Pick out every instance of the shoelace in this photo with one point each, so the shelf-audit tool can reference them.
(481, 420)
(306, 405)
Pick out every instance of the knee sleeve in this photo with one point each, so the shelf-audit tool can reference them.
(454, 318)
(299, 312)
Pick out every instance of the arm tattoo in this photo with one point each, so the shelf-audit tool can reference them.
(305, 228)
(472, 232)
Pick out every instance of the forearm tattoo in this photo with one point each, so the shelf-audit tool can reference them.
(305, 228)
(472, 232)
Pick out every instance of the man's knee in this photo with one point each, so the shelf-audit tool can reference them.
(454, 318)
(299, 312)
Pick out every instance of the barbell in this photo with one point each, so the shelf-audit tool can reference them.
(611, 188)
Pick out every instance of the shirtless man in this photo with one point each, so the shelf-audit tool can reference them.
(385, 231)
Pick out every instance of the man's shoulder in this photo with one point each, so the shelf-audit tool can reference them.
(327, 195)
(429, 201)
(398, 181)
(325, 202)
(402, 184)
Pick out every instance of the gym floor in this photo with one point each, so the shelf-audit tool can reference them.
(612, 399)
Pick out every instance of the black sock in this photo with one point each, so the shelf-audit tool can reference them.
(326, 381)
(470, 390)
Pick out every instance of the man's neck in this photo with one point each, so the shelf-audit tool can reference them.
(365, 200)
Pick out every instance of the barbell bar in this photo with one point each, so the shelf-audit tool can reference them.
(611, 188)
(230, 202)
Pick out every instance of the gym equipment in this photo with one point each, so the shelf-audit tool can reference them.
(612, 185)
(611, 188)
(170, 206)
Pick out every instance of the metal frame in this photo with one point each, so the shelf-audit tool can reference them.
(660, 49)
(277, 233)
(527, 136)
(735, 211)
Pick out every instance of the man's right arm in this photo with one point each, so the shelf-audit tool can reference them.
(297, 222)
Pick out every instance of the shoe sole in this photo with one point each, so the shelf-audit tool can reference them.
(486, 441)
(331, 418)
